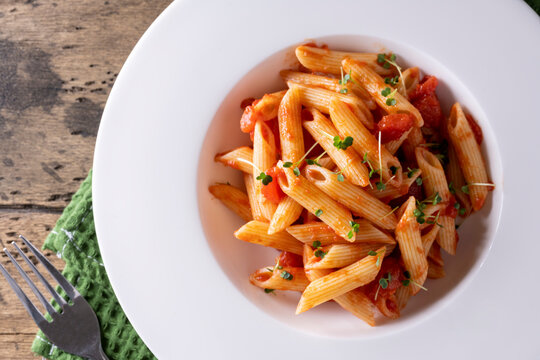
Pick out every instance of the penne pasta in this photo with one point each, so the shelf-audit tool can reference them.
(340, 282)
(287, 212)
(256, 232)
(264, 157)
(320, 99)
(240, 158)
(318, 231)
(374, 84)
(310, 197)
(391, 192)
(341, 255)
(434, 182)
(365, 144)
(329, 61)
(429, 237)
(355, 198)
(348, 161)
(233, 198)
(354, 301)
(410, 243)
(263, 109)
(455, 177)
(435, 271)
(469, 156)
(409, 81)
(271, 278)
(404, 205)
(292, 150)
(255, 206)
(329, 83)
(403, 294)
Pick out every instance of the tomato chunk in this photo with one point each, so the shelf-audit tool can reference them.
(426, 87)
(290, 259)
(394, 125)
(430, 109)
(272, 191)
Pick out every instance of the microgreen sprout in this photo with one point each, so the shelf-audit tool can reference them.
(383, 283)
(408, 280)
(355, 227)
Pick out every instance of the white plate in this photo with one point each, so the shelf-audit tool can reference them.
(185, 289)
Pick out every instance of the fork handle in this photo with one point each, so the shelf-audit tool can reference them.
(98, 355)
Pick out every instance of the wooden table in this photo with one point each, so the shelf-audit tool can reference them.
(58, 62)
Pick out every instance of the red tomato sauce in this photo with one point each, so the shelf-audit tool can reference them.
(476, 129)
(247, 102)
(290, 259)
(390, 266)
(393, 126)
(272, 191)
(450, 209)
(423, 97)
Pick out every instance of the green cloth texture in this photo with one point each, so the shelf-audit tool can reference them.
(74, 240)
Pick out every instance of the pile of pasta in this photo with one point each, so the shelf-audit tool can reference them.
(357, 178)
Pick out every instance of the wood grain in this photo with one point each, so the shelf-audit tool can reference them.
(59, 60)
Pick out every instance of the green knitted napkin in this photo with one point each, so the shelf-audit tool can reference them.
(74, 240)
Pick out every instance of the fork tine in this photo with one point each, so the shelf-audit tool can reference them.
(29, 306)
(45, 283)
(30, 283)
(68, 288)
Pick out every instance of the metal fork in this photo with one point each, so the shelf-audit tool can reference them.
(74, 329)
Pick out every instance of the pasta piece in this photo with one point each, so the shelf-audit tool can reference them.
(256, 210)
(393, 145)
(354, 301)
(391, 192)
(310, 197)
(329, 83)
(329, 61)
(374, 84)
(410, 243)
(411, 79)
(435, 255)
(261, 110)
(455, 176)
(240, 158)
(365, 144)
(271, 278)
(256, 232)
(318, 231)
(414, 139)
(353, 197)
(292, 150)
(403, 294)
(234, 198)
(435, 271)
(429, 238)
(469, 156)
(320, 99)
(348, 161)
(340, 282)
(264, 157)
(327, 162)
(341, 255)
(287, 212)
(430, 212)
(434, 182)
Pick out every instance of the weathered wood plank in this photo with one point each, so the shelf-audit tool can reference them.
(13, 317)
(14, 347)
(59, 60)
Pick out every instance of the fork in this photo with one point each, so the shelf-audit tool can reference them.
(74, 329)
